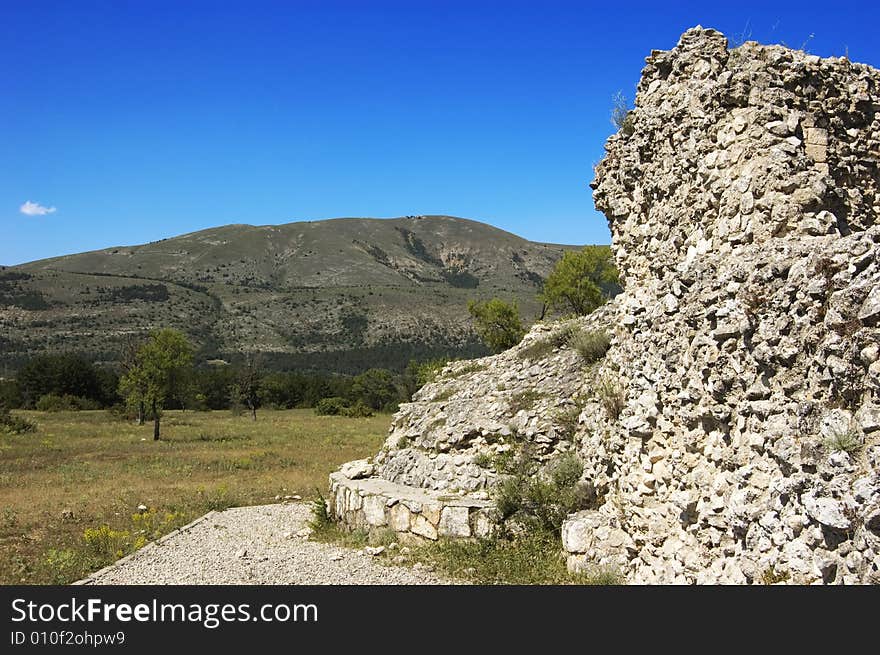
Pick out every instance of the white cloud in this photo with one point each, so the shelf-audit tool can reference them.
(35, 209)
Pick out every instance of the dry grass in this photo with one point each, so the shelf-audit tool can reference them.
(83, 470)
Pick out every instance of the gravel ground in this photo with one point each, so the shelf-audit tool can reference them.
(255, 545)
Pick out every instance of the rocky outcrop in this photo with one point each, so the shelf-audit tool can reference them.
(731, 434)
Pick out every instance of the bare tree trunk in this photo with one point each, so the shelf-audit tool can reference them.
(155, 422)
(254, 411)
(141, 413)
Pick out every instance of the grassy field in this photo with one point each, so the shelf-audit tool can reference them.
(69, 492)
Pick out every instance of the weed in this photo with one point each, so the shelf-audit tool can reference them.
(541, 348)
(64, 564)
(621, 114)
(429, 371)
(604, 576)
(530, 559)
(738, 39)
(152, 523)
(219, 500)
(567, 420)
(612, 396)
(537, 349)
(10, 518)
(208, 437)
(107, 544)
(846, 440)
(591, 345)
(381, 537)
(771, 576)
(322, 521)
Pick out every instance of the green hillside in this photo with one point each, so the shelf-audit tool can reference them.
(340, 294)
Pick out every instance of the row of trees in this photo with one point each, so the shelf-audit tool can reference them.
(158, 373)
(581, 281)
(161, 370)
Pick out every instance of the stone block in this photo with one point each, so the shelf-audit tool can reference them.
(483, 523)
(577, 532)
(422, 527)
(399, 518)
(454, 522)
(374, 511)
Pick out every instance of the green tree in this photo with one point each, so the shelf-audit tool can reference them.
(58, 374)
(497, 322)
(160, 363)
(375, 388)
(214, 384)
(582, 280)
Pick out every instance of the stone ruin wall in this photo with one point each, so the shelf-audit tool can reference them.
(742, 195)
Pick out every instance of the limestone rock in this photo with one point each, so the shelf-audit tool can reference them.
(357, 469)
(826, 511)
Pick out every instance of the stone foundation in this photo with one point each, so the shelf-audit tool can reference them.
(374, 504)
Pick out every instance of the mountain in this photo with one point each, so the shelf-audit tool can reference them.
(340, 294)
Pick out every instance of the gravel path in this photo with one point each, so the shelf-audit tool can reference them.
(255, 545)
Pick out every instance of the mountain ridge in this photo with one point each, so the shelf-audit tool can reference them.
(370, 287)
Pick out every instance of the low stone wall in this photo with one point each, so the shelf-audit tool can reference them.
(374, 504)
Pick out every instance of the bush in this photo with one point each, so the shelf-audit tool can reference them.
(13, 424)
(374, 387)
(358, 410)
(541, 499)
(591, 345)
(51, 402)
(331, 406)
(65, 375)
(10, 394)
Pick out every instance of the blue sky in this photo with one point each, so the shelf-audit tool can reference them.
(136, 121)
